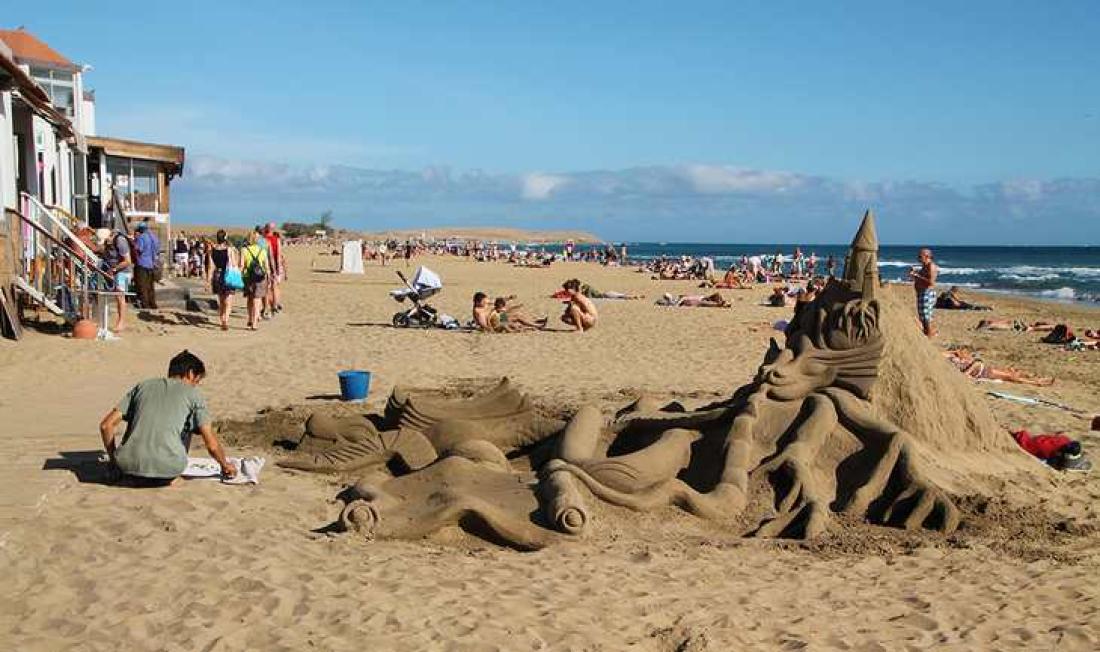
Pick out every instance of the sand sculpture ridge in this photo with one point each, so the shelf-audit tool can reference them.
(799, 444)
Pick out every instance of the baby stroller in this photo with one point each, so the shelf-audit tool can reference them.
(425, 284)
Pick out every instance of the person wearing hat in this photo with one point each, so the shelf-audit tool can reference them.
(118, 263)
(148, 249)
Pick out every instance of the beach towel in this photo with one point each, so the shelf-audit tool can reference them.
(248, 469)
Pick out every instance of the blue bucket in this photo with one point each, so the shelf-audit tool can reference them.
(354, 385)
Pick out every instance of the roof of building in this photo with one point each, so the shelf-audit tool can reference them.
(32, 94)
(171, 155)
(28, 48)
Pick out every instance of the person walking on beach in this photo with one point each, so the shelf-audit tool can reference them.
(148, 249)
(161, 415)
(256, 271)
(924, 282)
(219, 258)
(274, 299)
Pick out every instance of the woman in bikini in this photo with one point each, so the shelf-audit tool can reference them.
(974, 367)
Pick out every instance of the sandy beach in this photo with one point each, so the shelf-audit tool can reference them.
(204, 566)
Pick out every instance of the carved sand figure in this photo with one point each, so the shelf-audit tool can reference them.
(807, 403)
(798, 444)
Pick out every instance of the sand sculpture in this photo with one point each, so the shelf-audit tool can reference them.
(779, 458)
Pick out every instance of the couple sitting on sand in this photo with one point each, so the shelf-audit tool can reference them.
(580, 312)
(733, 280)
(500, 317)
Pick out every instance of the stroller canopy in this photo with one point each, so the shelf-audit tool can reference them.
(424, 283)
(426, 279)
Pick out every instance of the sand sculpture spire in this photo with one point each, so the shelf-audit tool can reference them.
(861, 264)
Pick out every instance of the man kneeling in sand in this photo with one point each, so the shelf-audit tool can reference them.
(580, 312)
(161, 414)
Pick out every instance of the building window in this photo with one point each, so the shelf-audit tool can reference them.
(137, 181)
(144, 187)
(59, 86)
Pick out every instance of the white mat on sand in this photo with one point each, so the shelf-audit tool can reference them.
(248, 469)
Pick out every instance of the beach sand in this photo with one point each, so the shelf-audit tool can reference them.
(84, 565)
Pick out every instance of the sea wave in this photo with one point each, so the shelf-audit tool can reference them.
(1024, 278)
(1064, 294)
(1034, 270)
(894, 263)
(964, 271)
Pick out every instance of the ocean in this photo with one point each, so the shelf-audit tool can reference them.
(1059, 273)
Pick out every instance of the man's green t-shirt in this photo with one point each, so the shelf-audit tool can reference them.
(161, 414)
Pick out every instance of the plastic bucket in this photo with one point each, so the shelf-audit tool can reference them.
(354, 385)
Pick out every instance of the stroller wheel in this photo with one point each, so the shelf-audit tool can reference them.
(400, 320)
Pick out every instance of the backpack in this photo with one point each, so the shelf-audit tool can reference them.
(256, 272)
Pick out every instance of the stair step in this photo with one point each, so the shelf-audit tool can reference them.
(33, 292)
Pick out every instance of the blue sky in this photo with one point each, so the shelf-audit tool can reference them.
(958, 122)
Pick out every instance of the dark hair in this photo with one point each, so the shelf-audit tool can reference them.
(500, 302)
(478, 296)
(186, 362)
(221, 236)
(572, 284)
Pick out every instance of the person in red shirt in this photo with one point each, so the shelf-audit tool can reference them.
(273, 300)
(1055, 449)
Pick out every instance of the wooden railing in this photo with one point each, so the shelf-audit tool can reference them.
(51, 258)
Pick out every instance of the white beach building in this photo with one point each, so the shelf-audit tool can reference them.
(59, 179)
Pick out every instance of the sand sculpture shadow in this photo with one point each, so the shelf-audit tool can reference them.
(782, 457)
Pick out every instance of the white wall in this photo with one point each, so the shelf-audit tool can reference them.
(8, 193)
(87, 118)
(84, 121)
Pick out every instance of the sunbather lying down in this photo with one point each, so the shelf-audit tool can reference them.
(974, 367)
(593, 293)
(731, 281)
(1014, 325)
(694, 301)
(951, 300)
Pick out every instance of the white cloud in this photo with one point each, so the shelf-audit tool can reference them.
(707, 202)
(1023, 189)
(540, 186)
(721, 179)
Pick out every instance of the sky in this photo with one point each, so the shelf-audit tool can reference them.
(969, 123)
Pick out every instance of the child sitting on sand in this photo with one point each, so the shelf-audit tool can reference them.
(510, 319)
(161, 414)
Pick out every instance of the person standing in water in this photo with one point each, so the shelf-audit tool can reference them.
(924, 282)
